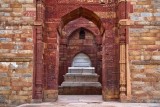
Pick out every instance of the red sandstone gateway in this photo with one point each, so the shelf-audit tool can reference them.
(54, 47)
(64, 29)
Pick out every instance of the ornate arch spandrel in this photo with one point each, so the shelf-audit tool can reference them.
(81, 12)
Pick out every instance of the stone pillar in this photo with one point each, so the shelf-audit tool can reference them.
(124, 8)
(103, 69)
(38, 54)
(110, 73)
(51, 62)
(38, 65)
(122, 63)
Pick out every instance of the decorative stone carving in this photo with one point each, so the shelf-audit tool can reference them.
(38, 53)
(122, 65)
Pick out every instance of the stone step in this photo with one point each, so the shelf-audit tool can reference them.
(80, 91)
(85, 74)
(81, 70)
(80, 84)
(81, 77)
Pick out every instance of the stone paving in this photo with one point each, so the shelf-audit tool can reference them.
(87, 101)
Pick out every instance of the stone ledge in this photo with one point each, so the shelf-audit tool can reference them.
(80, 90)
(16, 59)
(146, 23)
(124, 1)
(129, 22)
(146, 62)
(38, 23)
(126, 22)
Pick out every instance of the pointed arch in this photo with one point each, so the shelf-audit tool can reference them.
(76, 29)
(93, 32)
(81, 12)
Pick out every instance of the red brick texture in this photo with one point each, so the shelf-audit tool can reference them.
(62, 22)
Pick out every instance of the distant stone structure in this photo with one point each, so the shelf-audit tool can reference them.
(39, 40)
(80, 75)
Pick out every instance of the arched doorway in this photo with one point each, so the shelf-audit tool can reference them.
(75, 45)
(80, 54)
(49, 40)
(107, 45)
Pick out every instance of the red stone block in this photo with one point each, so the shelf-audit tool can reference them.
(28, 47)
(7, 46)
(16, 88)
(23, 39)
(52, 40)
(29, 13)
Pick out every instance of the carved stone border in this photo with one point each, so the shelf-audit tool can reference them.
(37, 95)
(124, 8)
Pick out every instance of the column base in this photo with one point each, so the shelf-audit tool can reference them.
(125, 99)
(109, 95)
(77, 90)
(50, 95)
(36, 101)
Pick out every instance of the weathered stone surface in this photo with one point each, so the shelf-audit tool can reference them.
(5, 88)
(2, 99)
(17, 38)
(25, 93)
(50, 95)
(3, 75)
(146, 39)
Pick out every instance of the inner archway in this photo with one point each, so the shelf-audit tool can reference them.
(81, 59)
(81, 12)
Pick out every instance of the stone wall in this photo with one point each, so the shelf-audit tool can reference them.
(16, 50)
(144, 51)
(16, 47)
